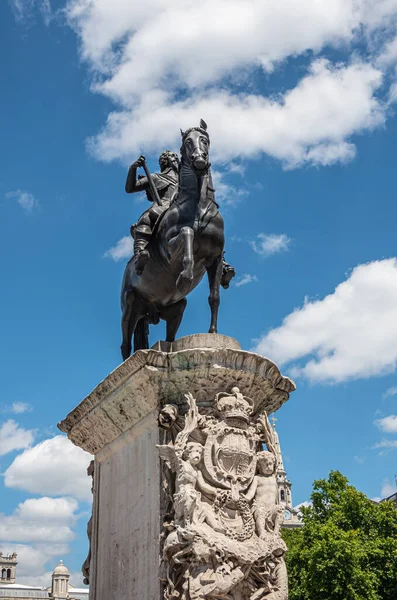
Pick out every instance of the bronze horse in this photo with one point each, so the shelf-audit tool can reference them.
(187, 241)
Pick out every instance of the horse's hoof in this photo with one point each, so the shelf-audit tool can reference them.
(126, 351)
(184, 284)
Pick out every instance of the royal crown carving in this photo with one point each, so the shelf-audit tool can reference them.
(234, 405)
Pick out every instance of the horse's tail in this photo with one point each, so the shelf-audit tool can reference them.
(141, 335)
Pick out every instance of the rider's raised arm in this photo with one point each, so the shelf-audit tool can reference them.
(133, 184)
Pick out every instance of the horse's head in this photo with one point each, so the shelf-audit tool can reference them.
(195, 147)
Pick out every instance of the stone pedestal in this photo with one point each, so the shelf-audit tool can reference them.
(119, 423)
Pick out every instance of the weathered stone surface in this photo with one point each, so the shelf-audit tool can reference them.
(198, 340)
(126, 517)
(150, 378)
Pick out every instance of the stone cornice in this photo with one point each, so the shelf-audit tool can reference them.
(151, 378)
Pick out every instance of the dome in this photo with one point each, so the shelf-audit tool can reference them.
(61, 569)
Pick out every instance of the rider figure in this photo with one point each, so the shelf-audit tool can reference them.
(166, 183)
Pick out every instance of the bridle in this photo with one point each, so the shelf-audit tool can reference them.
(196, 148)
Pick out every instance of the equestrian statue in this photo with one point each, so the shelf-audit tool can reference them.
(177, 240)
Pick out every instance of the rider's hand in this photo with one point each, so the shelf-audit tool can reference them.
(139, 162)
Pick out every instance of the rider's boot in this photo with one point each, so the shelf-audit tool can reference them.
(227, 275)
(141, 255)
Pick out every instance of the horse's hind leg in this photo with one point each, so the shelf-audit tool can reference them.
(173, 316)
(214, 272)
(129, 320)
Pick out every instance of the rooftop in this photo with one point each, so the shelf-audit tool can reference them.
(19, 586)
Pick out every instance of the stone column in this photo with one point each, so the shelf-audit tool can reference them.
(199, 395)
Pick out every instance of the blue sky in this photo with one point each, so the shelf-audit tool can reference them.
(300, 106)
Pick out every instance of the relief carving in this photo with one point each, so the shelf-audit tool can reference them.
(86, 564)
(222, 540)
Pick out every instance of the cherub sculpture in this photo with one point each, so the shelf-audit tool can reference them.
(268, 513)
(184, 463)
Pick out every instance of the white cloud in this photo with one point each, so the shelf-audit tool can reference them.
(48, 510)
(144, 57)
(13, 437)
(387, 424)
(23, 9)
(236, 168)
(392, 391)
(33, 558)
(392, 95)
(225, 193)
(197, 50)
(330, 153)
(17, 408)
(386, 446)
(124, 248)
(123, 41)
(46, 11)
(55, 467)
(266, 244)
(39, 531)
(308, 124)
(306, 504)
(20, 407)
(360, 460)
(388, 489)
(377, 13)
(76, 579)
(350, 334)
(245, 279)
(388, 56)
(44, 579)
(26, 200)
(40, 520)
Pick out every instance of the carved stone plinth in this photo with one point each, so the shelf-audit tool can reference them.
(185, 503)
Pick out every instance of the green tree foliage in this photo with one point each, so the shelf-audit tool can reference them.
(347, 549)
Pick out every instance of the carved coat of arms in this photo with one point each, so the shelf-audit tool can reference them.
(221, 539)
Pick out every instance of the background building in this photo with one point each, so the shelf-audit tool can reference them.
(8, 565)
(291, 516)
(60, 588)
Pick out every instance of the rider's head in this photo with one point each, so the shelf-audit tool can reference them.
(168, 159)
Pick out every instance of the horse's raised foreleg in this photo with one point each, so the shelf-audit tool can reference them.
(184, 240)
(214, 272)
(173, 316)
